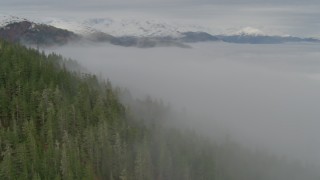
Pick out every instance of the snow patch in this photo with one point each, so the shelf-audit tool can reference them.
(123, 27)
(140, 28)
(8, 19)
(66, 24)
(250, 31)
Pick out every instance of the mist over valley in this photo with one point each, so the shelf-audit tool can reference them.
(265, 96)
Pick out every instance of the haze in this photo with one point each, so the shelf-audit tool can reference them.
(281, 17)
(264, 96)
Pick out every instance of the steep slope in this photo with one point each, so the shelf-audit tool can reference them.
(58, 124)
(36, 34)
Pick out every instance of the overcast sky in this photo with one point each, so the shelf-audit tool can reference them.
(293, 17)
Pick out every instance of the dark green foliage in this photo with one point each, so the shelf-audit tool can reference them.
(58, 124)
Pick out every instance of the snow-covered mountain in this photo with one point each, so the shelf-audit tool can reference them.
(21, 30)
(124, 27)
(74, 26)
(52, 31)
(149, 33)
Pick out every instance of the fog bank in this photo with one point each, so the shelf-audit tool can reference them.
(263, 95)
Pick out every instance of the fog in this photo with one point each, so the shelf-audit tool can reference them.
(264, 96)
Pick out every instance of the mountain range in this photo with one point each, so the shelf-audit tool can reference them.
(138, 33)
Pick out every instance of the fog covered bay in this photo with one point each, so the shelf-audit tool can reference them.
(266, 96)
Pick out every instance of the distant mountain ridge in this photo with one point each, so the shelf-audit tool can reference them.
(36, 34)
(53, 31)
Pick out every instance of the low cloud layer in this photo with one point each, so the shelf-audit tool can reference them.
(265, 96)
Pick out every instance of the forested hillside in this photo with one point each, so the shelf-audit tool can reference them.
(59, 124)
